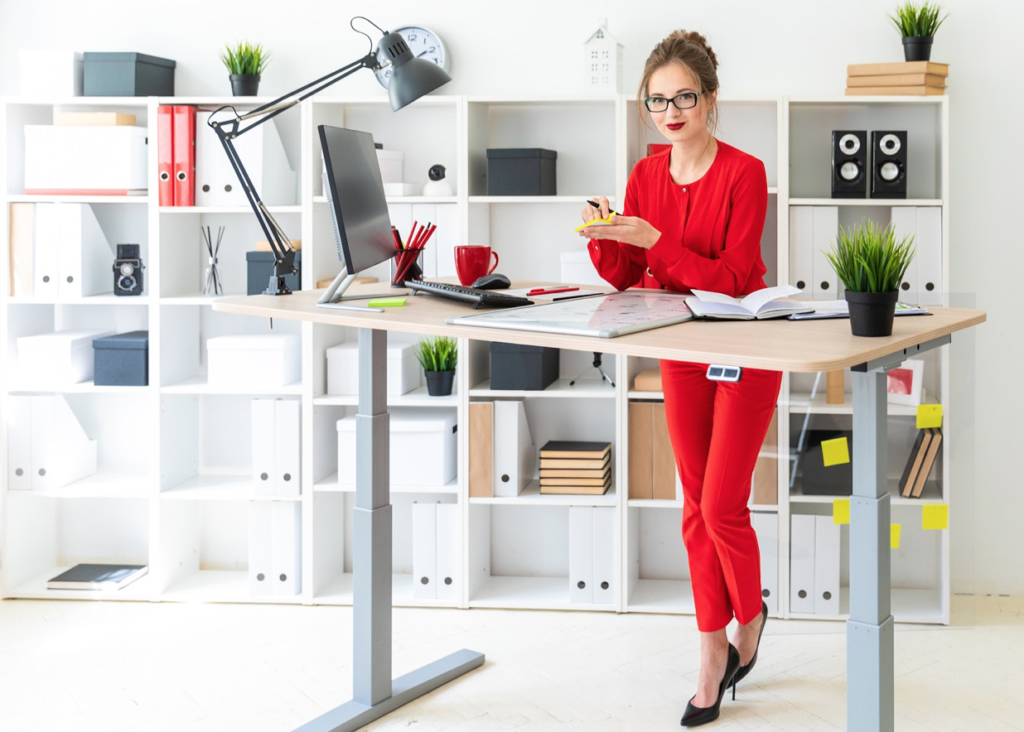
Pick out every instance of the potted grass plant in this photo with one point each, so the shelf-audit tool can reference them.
(245, 63)
(918, 24)
(871, 263)
(438, 357)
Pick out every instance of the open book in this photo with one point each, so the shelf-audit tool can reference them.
(770, 302)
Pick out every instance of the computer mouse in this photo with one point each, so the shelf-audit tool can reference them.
(492, 282)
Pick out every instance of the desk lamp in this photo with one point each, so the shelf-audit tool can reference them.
(411, 78)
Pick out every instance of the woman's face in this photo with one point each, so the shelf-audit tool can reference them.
(679, 125)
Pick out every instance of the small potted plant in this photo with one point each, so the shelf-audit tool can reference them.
(871, 264)
(245, 63)
(438, 357)
(917, 24)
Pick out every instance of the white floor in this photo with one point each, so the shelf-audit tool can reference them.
(152, 667)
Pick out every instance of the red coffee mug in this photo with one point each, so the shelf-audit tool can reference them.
(471, 263)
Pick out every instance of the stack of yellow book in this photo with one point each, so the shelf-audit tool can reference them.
(913, 78)
(579, 468)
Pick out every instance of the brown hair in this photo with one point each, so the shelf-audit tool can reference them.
(690, 50)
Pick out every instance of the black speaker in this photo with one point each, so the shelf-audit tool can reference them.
(888, 164)
(849, 164)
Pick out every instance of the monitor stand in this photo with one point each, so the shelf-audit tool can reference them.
(334, 295)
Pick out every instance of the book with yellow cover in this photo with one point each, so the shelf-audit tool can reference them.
(897, 80)
(895, 91)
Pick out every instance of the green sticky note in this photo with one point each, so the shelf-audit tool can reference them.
(841, 511)
(929, 415)
(835, 452)
(935, 516)
(387, 302)
(894, 536)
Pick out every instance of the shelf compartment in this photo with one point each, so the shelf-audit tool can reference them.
(884, 202)
(141, 590)
(198, 385)
(674, 597)
(531, 496)
(418, 397)
(339, 592)
(585, 388)
(932, 494)
(275, 210)
(91, 300)
(802, 403)
(209, 585)
(197, 299)
(24, 198)
(330, 485)
(528, 593)
(102, 484)
(238, 487)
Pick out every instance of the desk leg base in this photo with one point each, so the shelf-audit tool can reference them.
(869, 676)
(353, 715)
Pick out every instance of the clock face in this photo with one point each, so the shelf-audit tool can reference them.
(424, 44)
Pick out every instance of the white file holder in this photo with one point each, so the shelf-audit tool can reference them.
(264, 452)
(581, 555)
(57, 359)
(62, 452)
(287, 448)
(272, 359)
(262, 153)
(801, 576)
(515, 457)
(826, 566)
(903, 220)
(85, 260)
(922, 284)
(19, 443)
(86, 160)
(766, 526)
(449, 543)
(286, 547)
(604, 555)
(422, 447)
(826, 228)
(46, 252)
(260, 549)
(424, 551)
(801, 234)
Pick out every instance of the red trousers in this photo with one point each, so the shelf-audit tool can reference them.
(717, 429)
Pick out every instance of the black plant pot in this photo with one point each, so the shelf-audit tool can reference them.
(439, 383)
(245, 85)
(917, 48)
(871, 313)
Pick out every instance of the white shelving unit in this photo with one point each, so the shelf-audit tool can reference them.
(174, 492)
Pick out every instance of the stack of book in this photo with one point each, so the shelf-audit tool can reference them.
(578, 468)
(919, 464)
(914, 78)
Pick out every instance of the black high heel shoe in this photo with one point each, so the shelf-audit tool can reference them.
(744, 670)
(695, 716)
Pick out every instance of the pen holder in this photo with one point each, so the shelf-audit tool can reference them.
(406, 267)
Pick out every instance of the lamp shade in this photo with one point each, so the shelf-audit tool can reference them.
(411, 77)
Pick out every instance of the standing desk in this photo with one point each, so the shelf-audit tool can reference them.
(807, 346)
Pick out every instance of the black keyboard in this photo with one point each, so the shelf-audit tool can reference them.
(478, 298)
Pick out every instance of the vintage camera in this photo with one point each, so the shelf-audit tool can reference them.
(128, 270)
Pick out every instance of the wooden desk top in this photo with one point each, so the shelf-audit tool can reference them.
(780, 345)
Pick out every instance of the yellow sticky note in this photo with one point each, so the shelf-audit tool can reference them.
(929, 415)
(595, 222)
(387, 302)
(894, 536)
(841, 511)
(835, 452)
(935, 516)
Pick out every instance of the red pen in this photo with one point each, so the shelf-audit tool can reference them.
(552, 291)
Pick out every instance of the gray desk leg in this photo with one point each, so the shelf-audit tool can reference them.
(869, 632)
(373, 691)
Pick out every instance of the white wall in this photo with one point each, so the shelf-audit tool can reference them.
(778, 47)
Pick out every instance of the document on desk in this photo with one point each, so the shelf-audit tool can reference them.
(599, 316)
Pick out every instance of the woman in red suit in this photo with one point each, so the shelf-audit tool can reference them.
(692, 219)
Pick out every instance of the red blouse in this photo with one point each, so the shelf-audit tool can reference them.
(710, 229)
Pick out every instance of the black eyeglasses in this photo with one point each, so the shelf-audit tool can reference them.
(660, 104)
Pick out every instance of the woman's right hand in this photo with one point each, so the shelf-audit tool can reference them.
(589, 213)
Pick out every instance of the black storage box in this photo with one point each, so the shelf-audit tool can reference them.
(526, 171)
(523, 367)
(127, 75)
(260, 267)
(122, 359)
(835, 480)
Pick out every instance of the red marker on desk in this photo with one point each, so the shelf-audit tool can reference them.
(552, 291)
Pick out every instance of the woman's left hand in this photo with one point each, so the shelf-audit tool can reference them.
(627, 229)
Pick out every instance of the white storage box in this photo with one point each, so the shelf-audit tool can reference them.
(274, 359)
(578, 269)
(85, 160)
(51, 73)
(53, 359)
(422, 447)
(343, 369)
(390, 162)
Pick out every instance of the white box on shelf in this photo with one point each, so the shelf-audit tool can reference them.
(391, 166)
(343, 369)
(578, 269)
(57, 359)
(271, 359)
(51, 73)
(422, 444)
(402, 189)
(108, 161)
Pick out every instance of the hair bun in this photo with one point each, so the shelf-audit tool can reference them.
(697, 39)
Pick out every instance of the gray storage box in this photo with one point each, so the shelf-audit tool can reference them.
(835, 480)
(527, 171)
(260, 267)
(127, 75)
(122, 359)
(513, 366)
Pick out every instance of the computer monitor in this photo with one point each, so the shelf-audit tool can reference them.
(359, 210)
